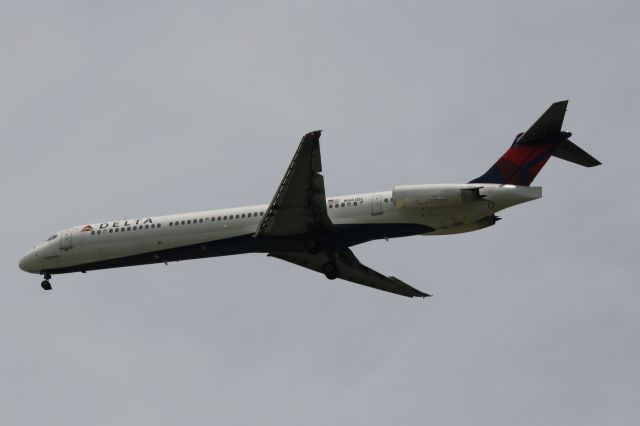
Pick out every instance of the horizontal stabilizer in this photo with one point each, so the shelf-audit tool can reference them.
(569, 151)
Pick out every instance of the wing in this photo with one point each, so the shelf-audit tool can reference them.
(299, 206)
(344, 264)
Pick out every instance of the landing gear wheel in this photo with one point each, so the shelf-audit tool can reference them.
(330, 270)
(312, 245)
(46, 285)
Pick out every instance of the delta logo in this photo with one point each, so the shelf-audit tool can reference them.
(119, 224)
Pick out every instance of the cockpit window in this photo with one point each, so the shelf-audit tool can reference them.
(53, 237)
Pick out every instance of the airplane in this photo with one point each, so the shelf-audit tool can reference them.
(302, 226)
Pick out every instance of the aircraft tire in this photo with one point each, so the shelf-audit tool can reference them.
(330, 270)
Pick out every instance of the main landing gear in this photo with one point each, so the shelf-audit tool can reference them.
(330, 270)
(46, 285)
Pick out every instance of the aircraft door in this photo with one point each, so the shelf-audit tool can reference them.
(65, 240)
(376, 204)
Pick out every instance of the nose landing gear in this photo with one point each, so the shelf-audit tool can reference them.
(46, 285)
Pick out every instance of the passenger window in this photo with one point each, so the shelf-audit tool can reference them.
(243, 215)
(99, 232)
(341, 204)
(111, 231)
(170, 223)
(146, 227)
(128, 228)
(182, 222)
(386, 200)
(225, 218)
(200, 221)
(153, 225)
(117, 230)
(349, 204)
(159, 225)
(93, 232)
(219, 218)
(189, 222)
(206, 219)
(135, 228)
(261, 213)
(330, 206)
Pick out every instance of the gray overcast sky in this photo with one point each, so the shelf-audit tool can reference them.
(114, 109)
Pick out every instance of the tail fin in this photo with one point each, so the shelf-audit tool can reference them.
(530, 151)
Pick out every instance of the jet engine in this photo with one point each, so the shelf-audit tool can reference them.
(474, 226)
(434, 195)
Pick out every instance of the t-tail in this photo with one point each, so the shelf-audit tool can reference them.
(530, 151)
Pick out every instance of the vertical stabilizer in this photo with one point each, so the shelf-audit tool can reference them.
(531, 150)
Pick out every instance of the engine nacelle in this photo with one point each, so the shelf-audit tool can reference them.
(479, 224)
(433, 195)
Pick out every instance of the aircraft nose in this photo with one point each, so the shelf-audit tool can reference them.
(29, 263)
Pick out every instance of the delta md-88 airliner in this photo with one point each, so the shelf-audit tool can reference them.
(302, 226)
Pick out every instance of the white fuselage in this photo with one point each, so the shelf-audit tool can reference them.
(210, 233)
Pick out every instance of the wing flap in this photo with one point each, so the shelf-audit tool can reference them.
(347, 267)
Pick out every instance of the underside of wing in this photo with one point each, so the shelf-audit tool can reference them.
(344, 264)
(299, 206)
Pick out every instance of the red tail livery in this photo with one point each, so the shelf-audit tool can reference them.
(530, 151)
